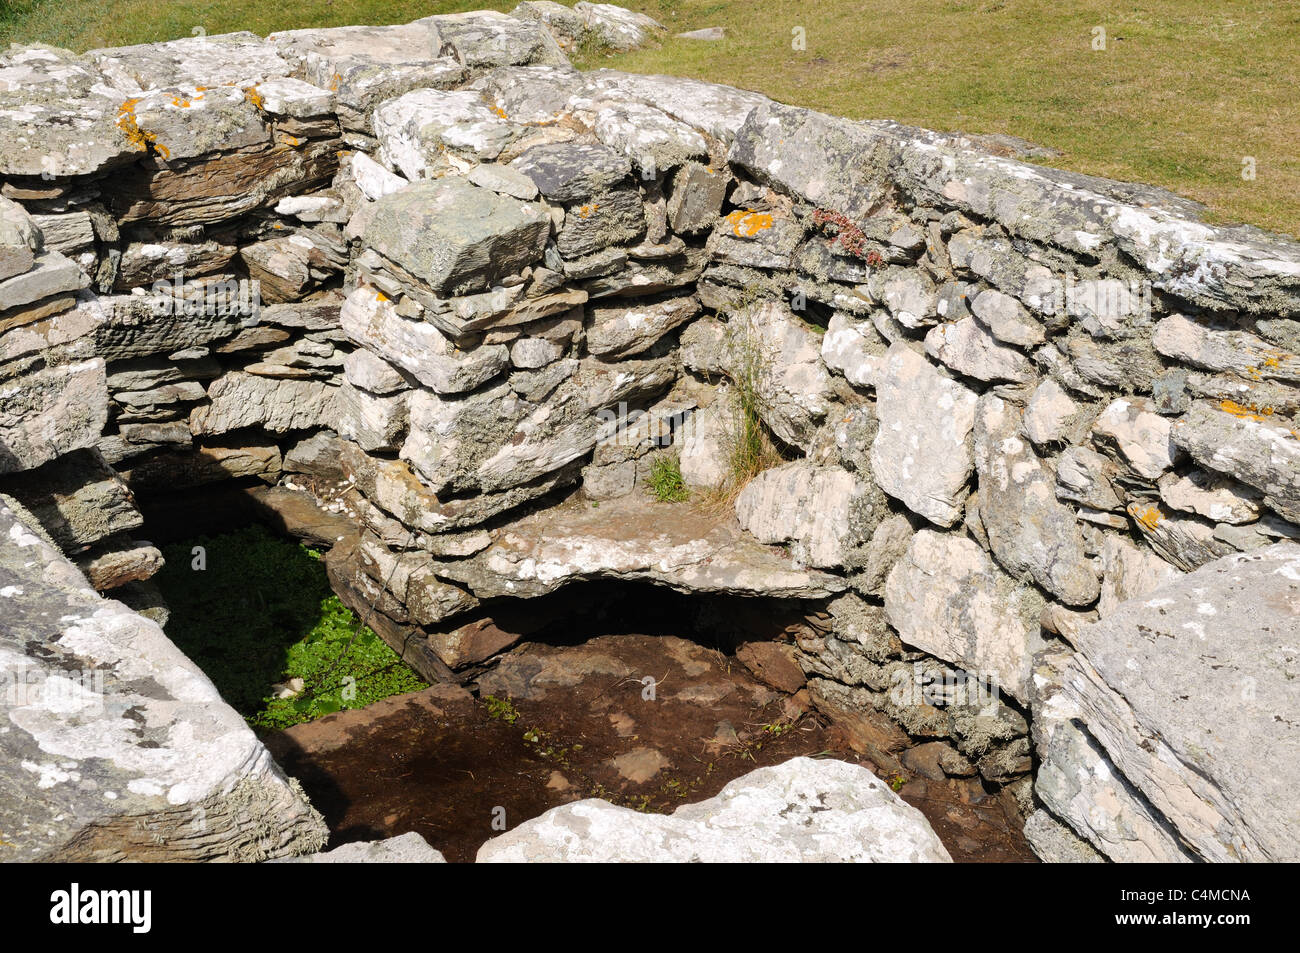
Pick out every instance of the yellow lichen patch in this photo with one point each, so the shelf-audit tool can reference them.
(1148, 516)
(380, 296)
(334, 82)
(253, 96)
(748, 224)
(1245, 411)
(586, 211)
(126, 121)
(500, 112)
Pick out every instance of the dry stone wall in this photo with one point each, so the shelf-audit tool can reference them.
(468, 295)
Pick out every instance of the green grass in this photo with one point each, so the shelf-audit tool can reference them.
(666, 481)
(1182, 92)
(262, 612)
(750, 448)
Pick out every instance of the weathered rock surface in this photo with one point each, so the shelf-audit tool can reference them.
(116, 746)
(677, 545)
(717, 111)
(969, 349)
(1031, 534)
(1129, 572)
(571, 172)
(1055, 843)
(78, 499)
(1140, 436)
(39, 84)
(923, 452)
(1202, 344)
(1212, 495)
(1255, 449)
(769, 345)
(803, 811)
(825, 514)
(419, 132)
(854, 349)
(1187, 691)
(1080, 784)
(418, 347)
(651, 139)
(365, 65)
(825, 160)
(1052, 415)
(403, 849)
(495, 439)
(946, 597)
(456, 237)
(616, 331)
(240, 400)
(50, 412)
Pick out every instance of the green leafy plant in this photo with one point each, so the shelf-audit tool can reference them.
(501, 708)
(666, 481)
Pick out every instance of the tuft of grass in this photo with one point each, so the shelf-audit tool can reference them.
(591, 48)
(666, 481)
(749, 445)
(262, 612)
(751, 449)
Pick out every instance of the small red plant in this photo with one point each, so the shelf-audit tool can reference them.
(844, 234)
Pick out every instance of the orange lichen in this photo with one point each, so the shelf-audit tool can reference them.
(254, 97)
(500, 112)
(1245, 411)
(126, 121)
(748, 224)
(586, 211)
(1148, 517)
(185, 102)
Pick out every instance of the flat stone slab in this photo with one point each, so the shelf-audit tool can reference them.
(59, 116)
(1261, 450)
(678, 545)
(718, 111)
(227, 59)
(804, 811)
(1191, 692)
(456, 237)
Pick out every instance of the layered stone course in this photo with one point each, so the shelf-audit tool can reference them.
(471, 294)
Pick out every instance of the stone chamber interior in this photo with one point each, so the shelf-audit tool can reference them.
(628, 691)
(861, 442)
